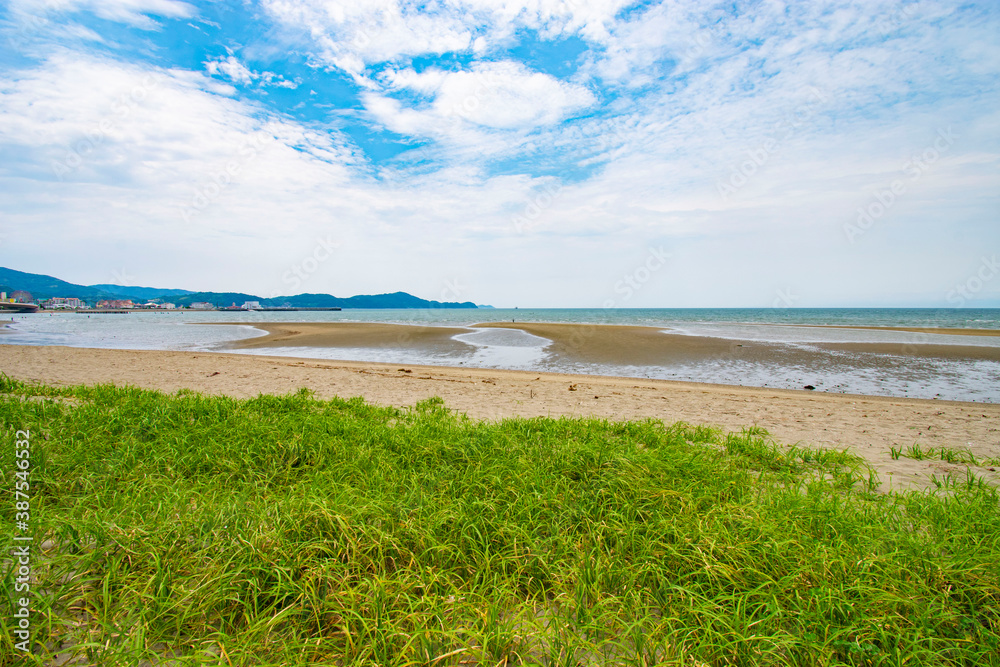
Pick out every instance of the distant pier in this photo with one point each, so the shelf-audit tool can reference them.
(295, 309)
(109, 311)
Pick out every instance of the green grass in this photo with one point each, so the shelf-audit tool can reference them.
(289, 530)
(947, 454)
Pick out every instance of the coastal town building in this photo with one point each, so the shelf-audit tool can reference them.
(115, 303)
(202, 305)
(61, 302)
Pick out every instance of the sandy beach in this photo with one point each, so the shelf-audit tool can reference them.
(869, 426)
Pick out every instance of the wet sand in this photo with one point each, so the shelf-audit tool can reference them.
(925, 330)
(596, 343)
(869, 426)
(923, 350)
(591, 343)
(631, 345)
(621, 345)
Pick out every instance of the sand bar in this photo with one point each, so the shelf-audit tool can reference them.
(591, 343)
(634, 345)
(869, 426)
(597, 343)
(355, 334)
(619, 344)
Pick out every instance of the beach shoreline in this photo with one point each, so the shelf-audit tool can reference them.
(870, 426)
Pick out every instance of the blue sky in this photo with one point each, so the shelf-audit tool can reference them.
(577, 153)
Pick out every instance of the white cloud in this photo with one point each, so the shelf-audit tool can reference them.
(232, 69)
(156, 135)
(495, 95)
(132, 12)
(136, 12)
(163, 169)
(272, 79)
(507, 95)
(354, 35)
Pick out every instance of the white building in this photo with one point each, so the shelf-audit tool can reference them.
(251, 305)
(64, 302)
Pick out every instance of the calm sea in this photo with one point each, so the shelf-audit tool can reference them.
(886, 375)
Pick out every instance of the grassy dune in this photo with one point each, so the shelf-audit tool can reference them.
(186, 529)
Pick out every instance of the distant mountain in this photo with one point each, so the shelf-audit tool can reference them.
(44, 287)
(140, 293)
(369, 301)
(217, 299)
(394, 300)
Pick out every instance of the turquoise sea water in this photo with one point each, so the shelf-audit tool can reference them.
(889, 317)
(793, 328)
(982, 318)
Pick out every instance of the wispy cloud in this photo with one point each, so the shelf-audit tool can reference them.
(137, 13)
(231, 68)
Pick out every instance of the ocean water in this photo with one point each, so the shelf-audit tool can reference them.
(797, 328)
